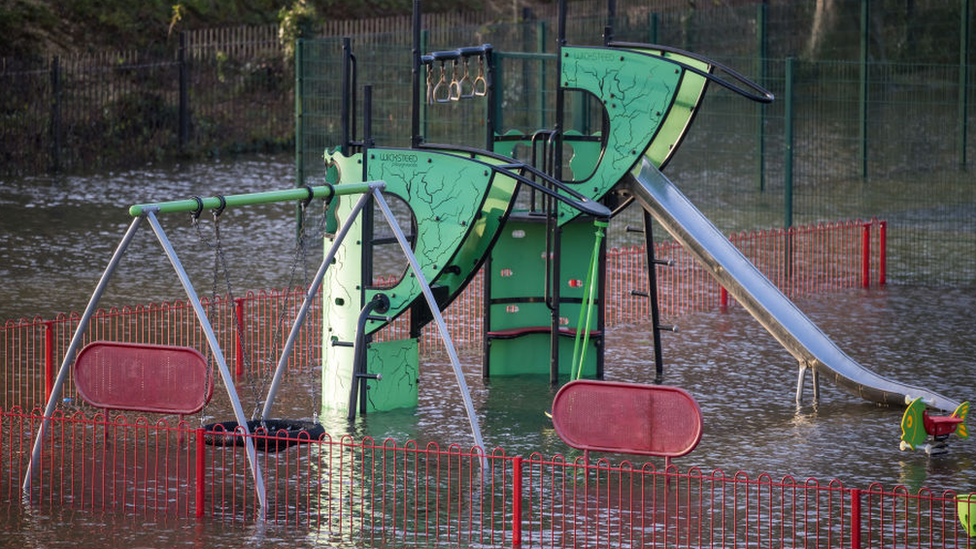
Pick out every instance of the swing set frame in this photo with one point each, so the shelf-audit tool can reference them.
(149, 212)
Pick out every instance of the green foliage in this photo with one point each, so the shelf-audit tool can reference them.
(24, 24)
(299, 21)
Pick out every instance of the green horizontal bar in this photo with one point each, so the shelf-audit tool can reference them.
(523, 55)
(235, 200)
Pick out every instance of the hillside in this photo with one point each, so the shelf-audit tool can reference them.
(37, 28)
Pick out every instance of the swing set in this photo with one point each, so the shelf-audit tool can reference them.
(177, 380)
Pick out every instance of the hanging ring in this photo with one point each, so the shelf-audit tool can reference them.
(480, 84)
(466, 79)
(454, 93)
(196, 213)
(445, 95)
(220, 209)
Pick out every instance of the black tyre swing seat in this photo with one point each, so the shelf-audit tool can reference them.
(270, 435)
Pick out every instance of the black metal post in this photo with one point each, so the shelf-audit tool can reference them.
(345, 118)
(415, 75)
(652, 294)
(184, 128)
(55, 128)
(611, 21)
(490, 92)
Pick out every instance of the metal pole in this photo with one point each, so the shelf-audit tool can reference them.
(299, 131)
(788, 138)
(788, 170)
(309, 298)
(218, 354)
(415, 79)
(762, 42)
(69, 355)
(55, 113)
(344, 118)
(652, 295)
(963, 81)
(436, 313)
(250, 199)
(863, 88)
(184, 124)
(540, 96)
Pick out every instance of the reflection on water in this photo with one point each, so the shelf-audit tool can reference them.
(56, 236)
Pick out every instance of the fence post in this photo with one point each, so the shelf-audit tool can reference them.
(963, 81)
(855, 518)
(516, 501)
(48, 359)
(863, 88)
(866, 255)
(238, 330)
(184, 128)
(300, 132)
(201, 473)
(55, 127)
(762, 42)
(541, 37)
(788, 140)
(882, 252)
(653, 27)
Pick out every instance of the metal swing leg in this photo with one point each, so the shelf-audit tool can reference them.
(69, 355)
(218, 357)
(441, 326)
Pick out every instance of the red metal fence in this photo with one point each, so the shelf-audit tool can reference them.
(801, 261)
(375, 493)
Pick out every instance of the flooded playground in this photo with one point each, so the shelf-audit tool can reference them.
(57, 234)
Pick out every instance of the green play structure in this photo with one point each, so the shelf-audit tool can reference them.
(537, 232)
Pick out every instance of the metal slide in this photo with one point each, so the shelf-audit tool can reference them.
(764, 301)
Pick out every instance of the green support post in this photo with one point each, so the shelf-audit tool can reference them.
(55, 124)
(788, 167)
(788, 139)
(863, 88)
(653, 23)
(425, 46)
(963, 81)
(762, 42)
(499, 82)
(541, 36)
(299, 129)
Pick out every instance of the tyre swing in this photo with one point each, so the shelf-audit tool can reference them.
(267, 434)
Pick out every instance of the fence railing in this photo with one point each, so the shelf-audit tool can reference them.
(252, 328)
(374, 493)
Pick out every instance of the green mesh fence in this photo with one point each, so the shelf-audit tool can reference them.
(881, 114)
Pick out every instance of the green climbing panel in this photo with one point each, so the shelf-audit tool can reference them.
(519, 318)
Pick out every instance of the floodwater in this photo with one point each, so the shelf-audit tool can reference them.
(56, 236)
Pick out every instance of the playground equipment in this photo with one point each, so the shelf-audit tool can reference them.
(102, 362)
(461, 214)
(917, 425)
(542, 302)
(143, 378)
(627, 418)
(966, 509)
